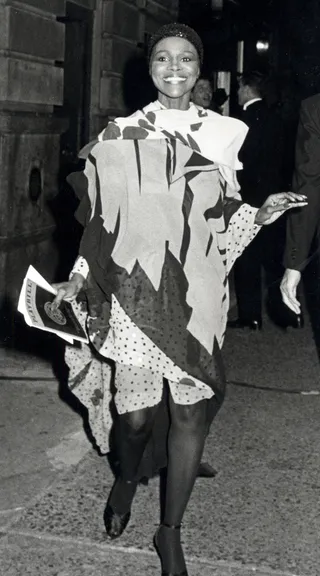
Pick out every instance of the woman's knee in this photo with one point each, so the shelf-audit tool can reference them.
(138, 421)
(191, 417)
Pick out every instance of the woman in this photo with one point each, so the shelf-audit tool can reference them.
(156, 251)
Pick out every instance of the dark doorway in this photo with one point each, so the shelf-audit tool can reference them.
(77, 79)
(78, 23)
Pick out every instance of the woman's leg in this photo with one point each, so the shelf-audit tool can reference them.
(186, 440)
(133, 430)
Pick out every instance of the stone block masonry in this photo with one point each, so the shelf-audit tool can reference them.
(38, 119)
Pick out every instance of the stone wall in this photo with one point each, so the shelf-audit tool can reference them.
(31, 40)
(32, 52)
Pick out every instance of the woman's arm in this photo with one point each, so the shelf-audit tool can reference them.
(241, 230)
(247, 221)
(106, 198)
(77, 278)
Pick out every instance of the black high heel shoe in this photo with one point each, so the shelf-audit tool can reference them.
(164, 572)
(115, 524)
(120, 498)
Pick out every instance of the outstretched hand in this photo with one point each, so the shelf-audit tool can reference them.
(277, 204)
(68, 290)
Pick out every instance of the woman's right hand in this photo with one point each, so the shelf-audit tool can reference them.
(68, 290)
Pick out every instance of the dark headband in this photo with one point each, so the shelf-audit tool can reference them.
(176, 30)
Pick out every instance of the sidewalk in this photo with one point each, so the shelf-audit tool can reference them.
(40, 435)
(40, 556)
(22, 366)
(260, 516)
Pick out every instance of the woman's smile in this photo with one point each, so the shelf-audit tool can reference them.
(175, 79)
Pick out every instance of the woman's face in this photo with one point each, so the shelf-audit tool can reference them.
(174, 69)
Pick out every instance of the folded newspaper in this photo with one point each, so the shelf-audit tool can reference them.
(35, 303)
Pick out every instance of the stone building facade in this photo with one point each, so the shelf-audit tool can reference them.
(62, 67)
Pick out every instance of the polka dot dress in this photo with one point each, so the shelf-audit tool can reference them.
(137, 385)
(90, 381)
(140, 365)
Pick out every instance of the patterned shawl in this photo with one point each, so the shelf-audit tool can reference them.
(155, 231)
(216, 137)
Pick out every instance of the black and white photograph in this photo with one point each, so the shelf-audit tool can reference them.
(159, 287)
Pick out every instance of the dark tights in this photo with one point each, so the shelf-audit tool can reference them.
(133, 432)
(186, 440)
(187, 434)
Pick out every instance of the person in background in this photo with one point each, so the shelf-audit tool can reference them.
(303, 227)
(261, 158)
(219, 98)
(202, 92)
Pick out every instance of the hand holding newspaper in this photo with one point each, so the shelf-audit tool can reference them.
(35, 303)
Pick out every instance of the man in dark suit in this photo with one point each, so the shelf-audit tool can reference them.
(303, 226)
(260, 177)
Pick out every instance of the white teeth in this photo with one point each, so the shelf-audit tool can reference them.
(174, 79)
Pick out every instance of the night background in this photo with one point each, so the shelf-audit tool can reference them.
(290, 26)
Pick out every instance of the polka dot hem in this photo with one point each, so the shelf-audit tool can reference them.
(145, 366)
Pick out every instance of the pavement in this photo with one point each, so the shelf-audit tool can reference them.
(260, 515)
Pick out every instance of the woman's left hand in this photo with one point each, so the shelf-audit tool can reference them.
(277, 204)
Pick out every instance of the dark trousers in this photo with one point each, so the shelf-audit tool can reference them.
(311, 281)
(264, 253)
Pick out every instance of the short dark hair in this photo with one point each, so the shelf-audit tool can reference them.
(255, 80)
(205, 77)
(176, 30)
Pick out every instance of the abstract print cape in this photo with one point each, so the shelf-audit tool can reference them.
(155, 233)
(216, 137)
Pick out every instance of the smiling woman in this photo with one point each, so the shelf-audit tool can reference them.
(163, 224)
(174, 68)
